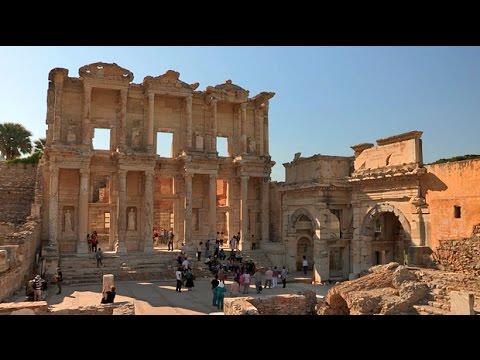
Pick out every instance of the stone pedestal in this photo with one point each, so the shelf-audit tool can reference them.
(461, 303)
(108, 281)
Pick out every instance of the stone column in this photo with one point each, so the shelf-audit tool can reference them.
(121, 246)
(265, 209)
(122, 126)
(188, 111)
(260, 128)
(58, 108)
(188, 209)
(214, 125)
(82, 247)
(178, 220)
(53, 208)
(265, 129)
(244, 239)
(213, 206)
(148, 212)
(151, 121)
(86, 131)
(243, 125)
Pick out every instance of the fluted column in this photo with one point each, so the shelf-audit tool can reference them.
(188, 112)
(188, 209)
(86, 131)
(265, 209)
(82, 247)
(261, 133)
(151, 120)
(243, 125)
(245, 241)
(58, 108)
(121, 246)
(122, 125)
(213, 205)
(53, 208)
(148, 213)
(265, 130)
(214, 124)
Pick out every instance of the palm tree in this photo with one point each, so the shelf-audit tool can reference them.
(39, 145)
(14, 140)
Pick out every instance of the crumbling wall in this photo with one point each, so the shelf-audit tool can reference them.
(17, 190)
(21, 248)
(460, 255)
(301, 304)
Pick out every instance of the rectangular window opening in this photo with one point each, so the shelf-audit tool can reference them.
(457, 210)
(101, 139)
(165, 144)
(106, 220)
(222, 146)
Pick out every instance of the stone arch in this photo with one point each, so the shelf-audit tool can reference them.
(297, 215)
(304, 247)
(376, 211)
(392, 238)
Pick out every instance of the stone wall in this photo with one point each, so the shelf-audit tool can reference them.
(42, 308)
(445, 186)
(461, 255)
(301, 304)
(17, 190)
(21, 248)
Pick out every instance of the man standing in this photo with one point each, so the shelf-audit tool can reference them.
(305, 265)
(59, 279)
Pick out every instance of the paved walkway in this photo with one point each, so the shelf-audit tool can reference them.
(160, 298)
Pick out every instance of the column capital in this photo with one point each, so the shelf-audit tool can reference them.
(189, 100)
(151, 95)
(84, 171)
(243, 106)
(213, 102)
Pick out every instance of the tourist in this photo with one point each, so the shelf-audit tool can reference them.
(199, 250)
(305, 265)
(94, 240)
(58, 280)
(220, 290)
(189, 280)
(258, 281)
(254, 243)
(109, 296)
(268, 278)
(246, 282)
(214, 283)
(89, 243)
(275, 277)
(283, 276)
(207, 248)
(99, 257)
(234, 288)
(222, 255)
(170, 239)
(38, 287)
(179, 277)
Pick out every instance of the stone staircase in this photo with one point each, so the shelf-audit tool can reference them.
(259, 258)
(160, 265)
(437, 303)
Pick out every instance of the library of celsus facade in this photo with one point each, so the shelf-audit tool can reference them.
(127, 189)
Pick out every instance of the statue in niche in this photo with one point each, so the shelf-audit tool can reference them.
(135, 138)
(198, 141)
(71, 136)
(131, 219)
(252, 146)
(68, 221)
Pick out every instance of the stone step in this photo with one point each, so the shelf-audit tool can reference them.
(429, 310)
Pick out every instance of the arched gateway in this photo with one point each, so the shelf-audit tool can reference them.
(387, 231)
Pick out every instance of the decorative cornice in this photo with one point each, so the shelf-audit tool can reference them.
(107, 71)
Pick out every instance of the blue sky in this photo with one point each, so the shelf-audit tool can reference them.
(327, 98)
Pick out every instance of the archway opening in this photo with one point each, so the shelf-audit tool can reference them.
(304, 248)
(388, 243)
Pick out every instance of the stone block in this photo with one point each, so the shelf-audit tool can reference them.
(4, 264)
(461, 303)
(108, 281)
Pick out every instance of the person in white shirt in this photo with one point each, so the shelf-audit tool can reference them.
(305, 264)
(268, 278)
(185, 264)
(179, 277)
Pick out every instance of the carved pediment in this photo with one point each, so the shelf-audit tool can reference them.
(169, 80)
(105, 71)
(228, 90)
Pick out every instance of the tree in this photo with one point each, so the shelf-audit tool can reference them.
(14, 140)
(39, 145)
